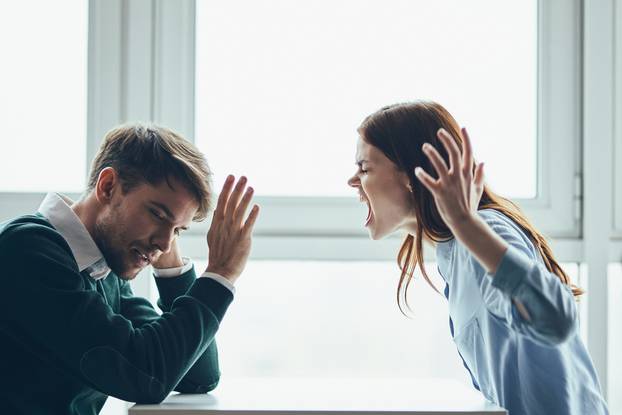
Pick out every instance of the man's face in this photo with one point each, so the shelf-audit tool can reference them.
(135, 228)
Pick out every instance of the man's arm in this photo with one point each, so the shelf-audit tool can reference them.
(204, 374)
(50, 307)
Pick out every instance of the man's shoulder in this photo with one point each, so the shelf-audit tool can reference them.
(30, 231)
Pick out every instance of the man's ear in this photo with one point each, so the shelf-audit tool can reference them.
(107, 183)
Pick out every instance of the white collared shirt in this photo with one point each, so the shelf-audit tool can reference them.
(57, 209)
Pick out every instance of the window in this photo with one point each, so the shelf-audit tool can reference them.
(283, 109)
(290, 88)
(43, 100)
(615, 337)
(617, 121)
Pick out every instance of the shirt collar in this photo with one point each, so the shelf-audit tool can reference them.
(443, 256)
(57, 209)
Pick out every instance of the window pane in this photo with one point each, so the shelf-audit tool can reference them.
(43, 100)
(282, 85)
(334, 319)
(614, 331)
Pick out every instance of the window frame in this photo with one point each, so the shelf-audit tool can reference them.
(556, 210)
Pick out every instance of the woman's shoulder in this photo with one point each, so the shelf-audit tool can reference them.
(509, 230)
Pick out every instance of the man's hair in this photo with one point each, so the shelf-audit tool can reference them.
(152, 154)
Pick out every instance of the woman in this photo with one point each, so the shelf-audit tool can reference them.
(513, 314)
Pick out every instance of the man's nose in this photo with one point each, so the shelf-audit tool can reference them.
(164, 240)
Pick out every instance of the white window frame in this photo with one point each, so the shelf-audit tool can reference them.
(303, 227)
(617, 128)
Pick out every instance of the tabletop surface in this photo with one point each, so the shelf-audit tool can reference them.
(332, 396)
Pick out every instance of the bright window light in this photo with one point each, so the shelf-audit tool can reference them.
(43, 99)
(282, 85)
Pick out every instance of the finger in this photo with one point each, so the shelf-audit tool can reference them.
(452, 149)
(467, 154)
(235, 197)
(250, 221)
(241, 209)
(224, 196)
(478, 178)
(428, 181)
(436, 160)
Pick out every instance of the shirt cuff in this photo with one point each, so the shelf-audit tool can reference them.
(174, 272)
(219, 278)
(512, 270)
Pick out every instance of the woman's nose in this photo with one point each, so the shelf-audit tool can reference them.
(353, 181)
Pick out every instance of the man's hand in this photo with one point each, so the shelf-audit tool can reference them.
(171, 259)
(229, 236)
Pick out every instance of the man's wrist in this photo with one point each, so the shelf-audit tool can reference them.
(223, 273)
(169, 262)
(174, 271)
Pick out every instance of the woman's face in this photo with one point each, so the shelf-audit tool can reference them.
(384, 189)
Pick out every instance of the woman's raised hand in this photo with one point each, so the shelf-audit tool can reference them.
(459, 187)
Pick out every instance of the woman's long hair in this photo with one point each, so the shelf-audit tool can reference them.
(399, 131)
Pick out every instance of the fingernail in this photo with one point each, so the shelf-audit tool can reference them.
(250, 190)
(230, 177)
(418, 170)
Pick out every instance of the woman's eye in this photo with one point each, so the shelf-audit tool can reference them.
(177, 232)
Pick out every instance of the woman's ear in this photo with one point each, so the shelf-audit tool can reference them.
(407, 182)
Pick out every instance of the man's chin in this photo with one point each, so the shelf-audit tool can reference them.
(128, 274)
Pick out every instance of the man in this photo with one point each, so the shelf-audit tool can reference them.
(71, 331)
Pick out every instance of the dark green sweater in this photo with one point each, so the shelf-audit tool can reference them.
(67, 341)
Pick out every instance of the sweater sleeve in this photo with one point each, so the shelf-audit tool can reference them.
(47, 303)
(522, 277)
(204, 374)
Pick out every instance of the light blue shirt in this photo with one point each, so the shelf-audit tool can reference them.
(530, 367)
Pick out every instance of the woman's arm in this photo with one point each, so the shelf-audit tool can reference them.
(545, 305)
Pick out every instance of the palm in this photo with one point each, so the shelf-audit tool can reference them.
(458, 189)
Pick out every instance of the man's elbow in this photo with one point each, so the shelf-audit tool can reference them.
(186, 386)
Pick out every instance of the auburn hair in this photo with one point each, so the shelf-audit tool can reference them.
(399, 131)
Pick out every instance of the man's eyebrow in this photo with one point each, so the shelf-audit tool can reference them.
(167, 212)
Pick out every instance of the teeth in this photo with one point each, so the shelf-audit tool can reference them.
(369, 214)
(143, 256)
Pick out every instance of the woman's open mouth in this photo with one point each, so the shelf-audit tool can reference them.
(370, 213)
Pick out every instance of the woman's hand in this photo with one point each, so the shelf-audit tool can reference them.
(229, 236)
(457, 193)
(458, 189)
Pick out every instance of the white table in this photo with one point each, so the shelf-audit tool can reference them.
(328, 397)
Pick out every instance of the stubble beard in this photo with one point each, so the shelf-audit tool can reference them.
(110, 242)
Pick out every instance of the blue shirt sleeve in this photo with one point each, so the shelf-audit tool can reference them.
(522, 277)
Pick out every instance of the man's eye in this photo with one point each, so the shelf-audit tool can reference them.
(363, 171)
(177, 232)
(157, 215)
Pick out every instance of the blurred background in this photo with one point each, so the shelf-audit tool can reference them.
(275, 90)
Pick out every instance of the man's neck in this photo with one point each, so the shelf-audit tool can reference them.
(86, 210)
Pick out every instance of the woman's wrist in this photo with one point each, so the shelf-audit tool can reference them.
(483, 243)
